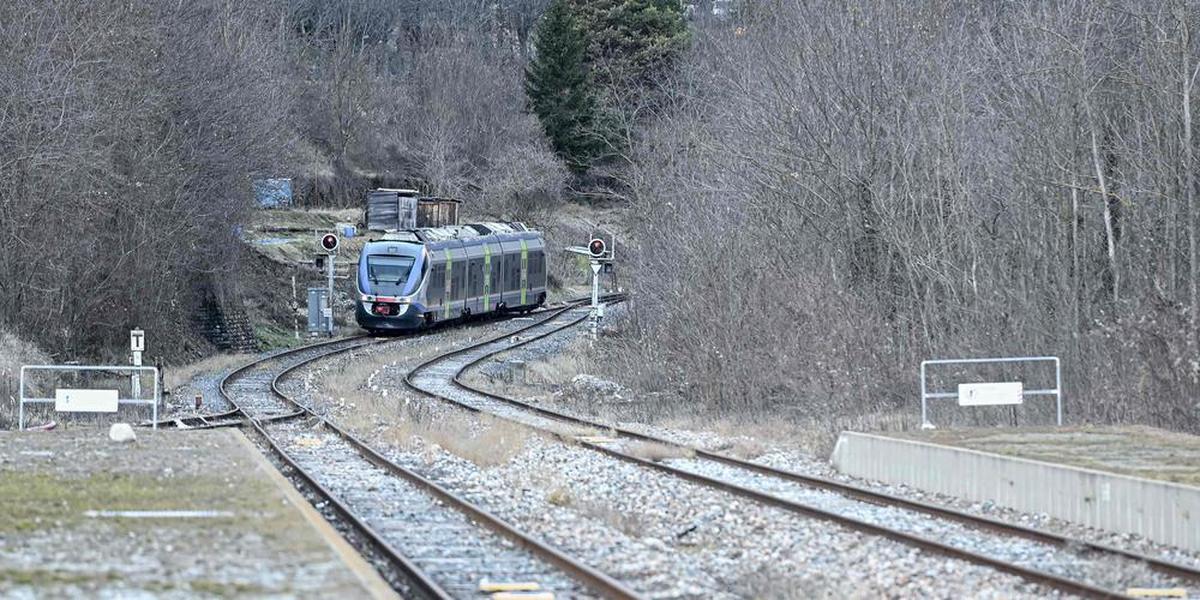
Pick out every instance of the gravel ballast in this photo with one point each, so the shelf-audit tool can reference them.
(670, 539)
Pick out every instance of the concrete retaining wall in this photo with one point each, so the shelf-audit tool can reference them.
(1164, 512)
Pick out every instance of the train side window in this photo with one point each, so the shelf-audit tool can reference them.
(475, 276)
(497, 281)
(459, 277)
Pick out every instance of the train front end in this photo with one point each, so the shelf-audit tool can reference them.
(390, 279)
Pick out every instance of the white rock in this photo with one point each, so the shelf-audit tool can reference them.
(121, 432)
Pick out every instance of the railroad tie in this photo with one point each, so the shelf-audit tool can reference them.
(1156, 592)
(509, 586)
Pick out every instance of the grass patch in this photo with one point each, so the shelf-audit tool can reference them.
(1137, 451)
(174, 377)
(273, 337)
(560, 496)
(302, 219)
(225, 589)
(485, 441)
(31, 500)
(481, 439)
(44, 501)
(54, 577)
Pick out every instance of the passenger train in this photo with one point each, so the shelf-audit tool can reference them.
(415, 278)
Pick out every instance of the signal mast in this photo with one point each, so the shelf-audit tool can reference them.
(600, 255)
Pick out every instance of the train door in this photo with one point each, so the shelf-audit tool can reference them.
(490, 272)
(474, 291)
(497, 273)
(435, 291)
(512, 272)
(456, 296)
(537, 269)
(450, 262)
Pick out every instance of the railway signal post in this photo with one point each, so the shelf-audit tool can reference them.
(329, 243)
(600, 256)
(137, 345)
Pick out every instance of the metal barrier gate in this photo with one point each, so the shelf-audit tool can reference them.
(91, 400)
(1014, 389)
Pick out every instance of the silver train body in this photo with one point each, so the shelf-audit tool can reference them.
(413, 279)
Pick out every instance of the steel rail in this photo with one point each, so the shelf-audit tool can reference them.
(415, 578)
(588, 576)
(593, 578)
(229, 418)
(1033, 575)
(850, 490)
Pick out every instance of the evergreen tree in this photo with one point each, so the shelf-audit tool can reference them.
(560, 89)
(632, 41)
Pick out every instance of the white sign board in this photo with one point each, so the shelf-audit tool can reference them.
(596, 268)
(85, 400)
(137, 340)
(987, 394)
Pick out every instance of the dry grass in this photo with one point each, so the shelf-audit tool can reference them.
(174, 377)
(559, 368)
(304, 218)
(511, 389)
(396, 420)
(743, 447)
(14, 353)
(485, 441)
(656, 452)
(560, 496)
(630, 523)
(744, 436)
(750, 436)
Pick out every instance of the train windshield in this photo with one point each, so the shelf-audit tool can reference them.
(388, 273)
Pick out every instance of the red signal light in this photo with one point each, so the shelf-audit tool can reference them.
(329, 242)
(596, 248)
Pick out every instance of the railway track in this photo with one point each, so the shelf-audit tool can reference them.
(1058, 562)
(432, 543)
(236, 418)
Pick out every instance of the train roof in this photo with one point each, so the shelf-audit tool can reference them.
(452, 232)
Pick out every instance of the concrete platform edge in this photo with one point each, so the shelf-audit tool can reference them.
(371, 580)
(1161, 511)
